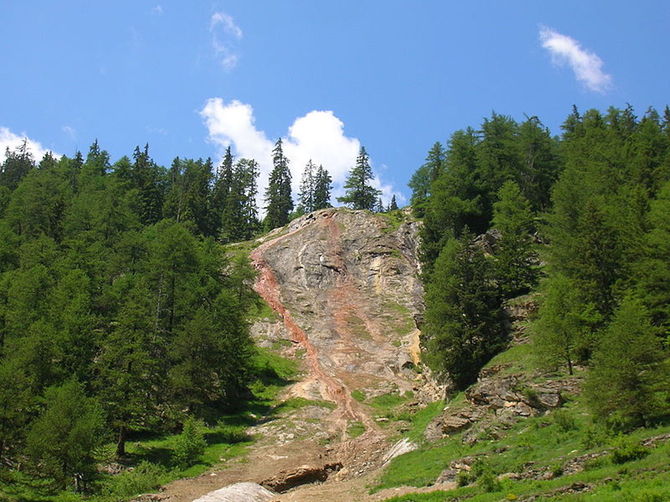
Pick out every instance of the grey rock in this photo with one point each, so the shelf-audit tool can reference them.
(239, 492)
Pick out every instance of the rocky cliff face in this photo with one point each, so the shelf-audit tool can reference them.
(346, 292)
(346, 286)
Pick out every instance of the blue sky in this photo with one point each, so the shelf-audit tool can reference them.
(190, 78)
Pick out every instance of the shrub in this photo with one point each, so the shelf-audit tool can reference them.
(626, 450)
(144, 478)
(190, 444)
(564, 420)
(489, 483)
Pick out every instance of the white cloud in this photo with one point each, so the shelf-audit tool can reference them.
(13, 141)
(70, 132)
(586, 65)
(157, 10)
(224, 34)
(318, 135)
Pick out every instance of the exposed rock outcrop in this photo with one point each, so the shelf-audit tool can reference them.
(305, 474)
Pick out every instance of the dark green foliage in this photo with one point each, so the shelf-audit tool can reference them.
(359, 194)
(455, 200)
(188, 193)
(278, 192)
(393, 205)
(307, 187)
(107, 278)
(653, 269)
(464, 321)
(322, 186)
(515, 256)
(16, 166)
(603, 189)
(223, 183)
(62, 441)
(422, 179)
(239, 220)
(628, 385)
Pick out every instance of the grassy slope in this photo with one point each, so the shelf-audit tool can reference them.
(543, 443)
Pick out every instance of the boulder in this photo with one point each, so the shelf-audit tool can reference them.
(305, 474)
(239, 492)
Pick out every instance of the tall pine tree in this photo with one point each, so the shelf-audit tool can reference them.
(359, 194)
(278, 193)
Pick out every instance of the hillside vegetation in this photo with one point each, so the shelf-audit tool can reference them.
(582, 220)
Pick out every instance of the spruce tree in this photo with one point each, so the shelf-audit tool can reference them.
(307, 188)
(223, 182)
(322, 186)
(359, 194)
(464, 320)
(278, 193)
(393, 205)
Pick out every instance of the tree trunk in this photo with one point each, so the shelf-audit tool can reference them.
(121, 442)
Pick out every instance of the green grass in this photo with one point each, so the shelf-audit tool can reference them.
(394, 219)
(355, 429)
(643, 480)
(358, 395)
(296, 403)
(422, 418)
(545, 443)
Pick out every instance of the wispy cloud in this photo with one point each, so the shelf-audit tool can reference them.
(157, 10)
(12, 141)
(70, 132)
(586, 65)
(318, 136)
(225, 33)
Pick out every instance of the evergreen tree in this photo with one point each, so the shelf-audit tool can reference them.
(16, 166)
(562, 331)
(239, 220)
(223, 182)
(147, 177)
(628, 384)
(539, 163)
(62, 441)
(464, 319)
(393, 205)
(322, 186)
(278, 192)
(128, 371)
(423, 178)
(653, 269)
(455, 201)
(187, 197)
(307, 188)
(359, 194)
(515, 257)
